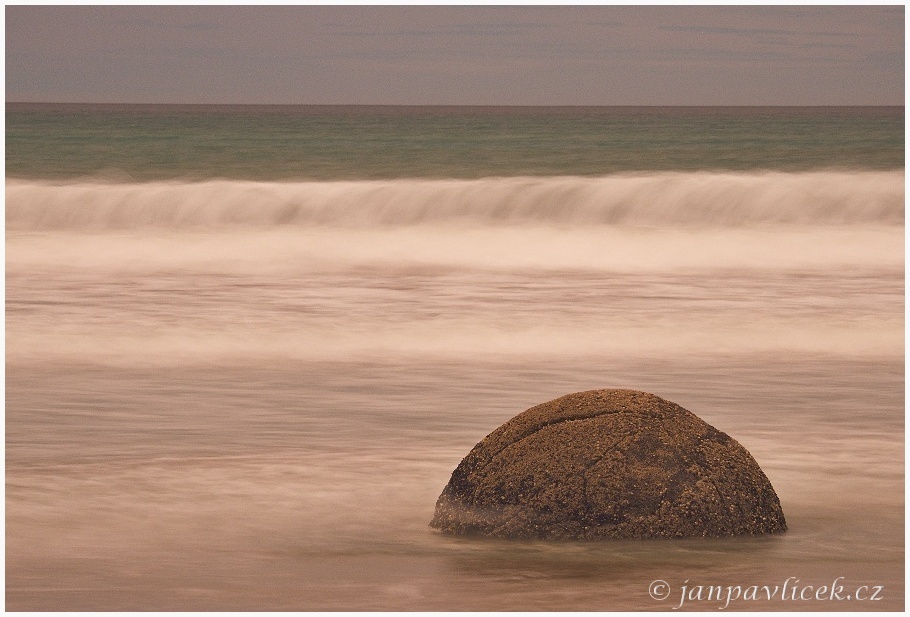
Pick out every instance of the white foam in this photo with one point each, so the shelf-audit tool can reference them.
(650, 200)
(292, 251)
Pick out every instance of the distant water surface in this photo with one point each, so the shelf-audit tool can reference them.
(374, 142)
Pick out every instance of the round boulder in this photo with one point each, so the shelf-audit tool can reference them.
(608, 464)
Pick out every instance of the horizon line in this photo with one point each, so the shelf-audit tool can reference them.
(460, 105)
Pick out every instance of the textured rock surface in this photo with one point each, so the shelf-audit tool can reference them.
(608, 464)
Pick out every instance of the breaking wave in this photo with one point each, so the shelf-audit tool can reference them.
(697, 199)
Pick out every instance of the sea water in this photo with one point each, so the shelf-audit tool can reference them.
(247, 346)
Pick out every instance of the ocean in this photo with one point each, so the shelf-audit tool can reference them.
(246, 346)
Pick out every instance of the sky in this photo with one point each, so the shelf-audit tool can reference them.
(457, 55)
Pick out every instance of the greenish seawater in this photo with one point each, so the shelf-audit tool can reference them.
(274, 142)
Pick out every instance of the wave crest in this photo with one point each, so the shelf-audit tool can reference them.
(698, 199)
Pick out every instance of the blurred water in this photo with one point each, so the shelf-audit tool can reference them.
(310, 485)
(194, 434)
(225, 393)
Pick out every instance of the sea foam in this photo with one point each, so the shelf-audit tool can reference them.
(671, 199)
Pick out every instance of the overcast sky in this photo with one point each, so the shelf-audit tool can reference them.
(596, 55)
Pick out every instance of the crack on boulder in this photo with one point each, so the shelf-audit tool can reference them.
(553, 423)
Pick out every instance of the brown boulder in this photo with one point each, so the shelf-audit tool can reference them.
(608, 464)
